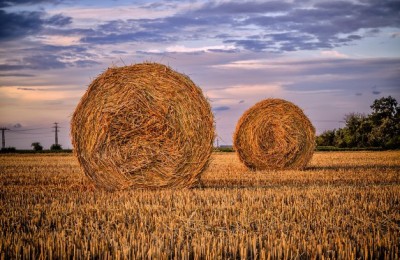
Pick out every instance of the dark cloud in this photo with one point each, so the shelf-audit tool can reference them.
(17, 125)
(23, 24)
(241, 101)
(222, 108)
(52, 57)
(358, 94)
(223, 50)
(252, 45)
(48, 61)
(246, 7)
(59, 20)
(281, 26)
(28, 89)
(114, 38)
(8, 67)
(320, 26)
(375, 91)
(16, 75)
(16, 25)
(8, 3)
(118, 52)
(85, 63)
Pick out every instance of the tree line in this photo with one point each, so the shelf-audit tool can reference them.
(380, 128)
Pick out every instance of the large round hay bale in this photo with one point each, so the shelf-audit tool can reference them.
(143, 126)
(274, 134)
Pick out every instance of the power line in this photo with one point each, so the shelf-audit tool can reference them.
(42, 133)
(24, 130)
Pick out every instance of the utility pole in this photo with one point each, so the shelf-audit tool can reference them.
(56, 132)
(3, 137)
(217, 142)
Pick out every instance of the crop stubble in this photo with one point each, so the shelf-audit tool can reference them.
(344, 205)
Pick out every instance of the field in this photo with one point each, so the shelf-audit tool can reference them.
(344, 205)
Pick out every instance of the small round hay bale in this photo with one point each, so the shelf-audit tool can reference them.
(274, 134)
(143, 126)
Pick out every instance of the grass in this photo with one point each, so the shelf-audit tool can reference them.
(344, 205)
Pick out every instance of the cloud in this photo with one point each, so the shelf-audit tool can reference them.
(272, 26)
(22, 24)
(375, 91)
(17, 125)
(333, 54)
(115, 38)
(395, 35)
(184, 49)
(16, 25)
(46, 57)
(16, 75)
(8, 3)
(237, 92)
(246, 7)
(58, 20)
(222, 108)
(29, 89)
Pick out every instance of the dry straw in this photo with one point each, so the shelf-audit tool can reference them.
(143, 126)
(274, 134)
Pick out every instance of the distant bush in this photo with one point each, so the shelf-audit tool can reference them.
(333, 148)
(8, 150)
(56, 147)
(37, 146)
(227, 149)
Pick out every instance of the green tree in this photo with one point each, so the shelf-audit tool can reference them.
(384, 108)
(339, 140)
(357, 130)
(37, 146)
(385, 119)
(327, 138)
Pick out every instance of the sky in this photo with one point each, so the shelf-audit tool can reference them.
(330, 58)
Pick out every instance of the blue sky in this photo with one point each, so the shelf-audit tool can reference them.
(330, 58)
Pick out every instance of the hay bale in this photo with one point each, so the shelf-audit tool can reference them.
(143, 126)
(274, 134)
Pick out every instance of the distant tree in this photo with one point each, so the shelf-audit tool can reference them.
(381, 128)
(385, 119)
(56, 147)
(356, 130)
(340, 140)
(327, 138)
(384, 108)
(37, 146)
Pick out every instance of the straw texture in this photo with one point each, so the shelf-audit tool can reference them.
(274, 134)
(143, 126)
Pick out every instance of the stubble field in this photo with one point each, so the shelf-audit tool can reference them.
(344, 205)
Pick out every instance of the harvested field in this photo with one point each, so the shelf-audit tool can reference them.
(344, 205)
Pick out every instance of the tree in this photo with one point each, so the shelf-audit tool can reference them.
(381, 128)
(385, 118)
(327, 138)
(56, 147)
(384, 108)
(37, 146)
(357, 129)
